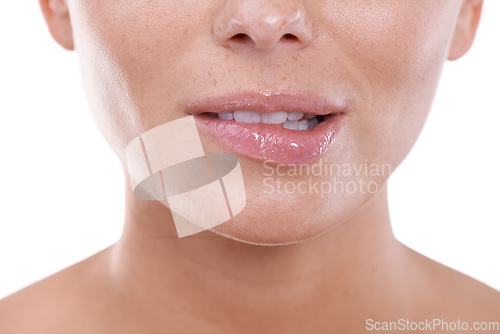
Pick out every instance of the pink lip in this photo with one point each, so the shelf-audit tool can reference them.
(270, 142)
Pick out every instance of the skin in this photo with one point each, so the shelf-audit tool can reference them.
(142, 61)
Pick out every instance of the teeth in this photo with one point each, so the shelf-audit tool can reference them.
(304, 124)
(226, 116)
(273, 117)
(291, 125)
(313, 122)
(295, 115)
(292, 120)
(247, 116)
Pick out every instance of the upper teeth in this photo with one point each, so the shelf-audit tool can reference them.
(293, 120)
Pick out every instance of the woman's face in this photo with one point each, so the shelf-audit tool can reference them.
(377, 63)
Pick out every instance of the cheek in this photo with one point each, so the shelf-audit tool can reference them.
(400, 47)
(122, 47)
(397, 43)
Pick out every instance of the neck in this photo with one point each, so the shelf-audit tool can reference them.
(209, 276)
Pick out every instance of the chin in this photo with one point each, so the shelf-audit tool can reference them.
(269, 221)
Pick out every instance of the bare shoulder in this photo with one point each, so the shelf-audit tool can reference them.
(476, 300)
(454, 295)
(57, 303)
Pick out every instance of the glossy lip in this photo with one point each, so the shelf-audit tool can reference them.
(270, 142)
(265, 101)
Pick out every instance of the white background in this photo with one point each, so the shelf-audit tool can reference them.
(61, 195)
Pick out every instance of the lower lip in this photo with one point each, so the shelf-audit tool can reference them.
(271, 142)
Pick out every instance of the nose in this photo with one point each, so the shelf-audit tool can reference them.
(264, 23)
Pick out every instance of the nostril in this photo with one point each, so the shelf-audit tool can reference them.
(290, 37)
(240, 37)
(263, 25)
(245, 38)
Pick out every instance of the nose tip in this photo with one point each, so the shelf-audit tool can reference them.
(263, 23)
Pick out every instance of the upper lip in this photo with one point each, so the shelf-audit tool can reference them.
(266, 101)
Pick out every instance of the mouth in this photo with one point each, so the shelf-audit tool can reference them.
(291, 120)
(279, 128)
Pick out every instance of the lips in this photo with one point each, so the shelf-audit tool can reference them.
(276, 143)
